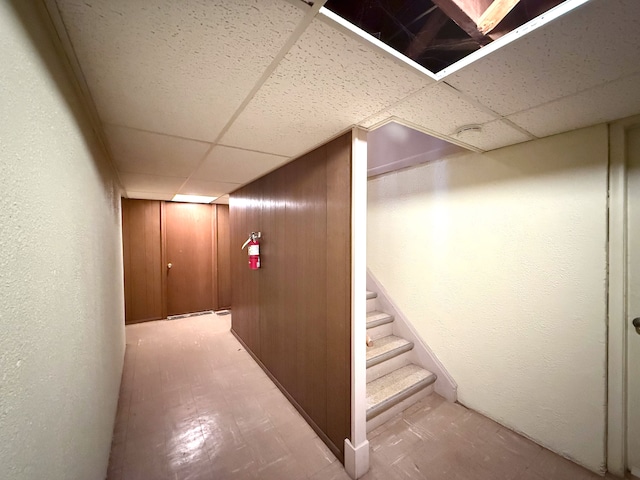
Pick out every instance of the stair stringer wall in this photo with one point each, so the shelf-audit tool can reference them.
(421, 354)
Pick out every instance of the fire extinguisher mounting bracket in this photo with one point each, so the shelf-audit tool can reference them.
(252, 238)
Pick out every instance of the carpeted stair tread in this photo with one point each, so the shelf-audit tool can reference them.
(390, 389)
(385, 348)
(375, 319)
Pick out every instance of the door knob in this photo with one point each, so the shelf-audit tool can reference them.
(636, 323)
(169, 265)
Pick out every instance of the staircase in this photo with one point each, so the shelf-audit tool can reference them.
(394, 382)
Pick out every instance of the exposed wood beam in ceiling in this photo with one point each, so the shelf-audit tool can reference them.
(414, 29)
(453, 45)
(473, 8)
(465, 13)
(493, 15)
(423, 40)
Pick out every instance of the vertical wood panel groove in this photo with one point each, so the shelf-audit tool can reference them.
(294, 314)
(223, 261)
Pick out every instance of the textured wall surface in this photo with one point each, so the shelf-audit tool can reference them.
(61, 300)
(499, 261)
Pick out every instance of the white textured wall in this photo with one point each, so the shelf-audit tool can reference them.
(499, 261)
(61, 300)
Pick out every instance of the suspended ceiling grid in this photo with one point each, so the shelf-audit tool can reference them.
(201, 97)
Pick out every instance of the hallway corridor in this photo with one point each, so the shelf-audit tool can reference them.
(195, 406)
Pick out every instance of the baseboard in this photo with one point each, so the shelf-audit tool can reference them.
(323, 436)
(141, 320)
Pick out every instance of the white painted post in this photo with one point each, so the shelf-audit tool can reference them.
(356, 451)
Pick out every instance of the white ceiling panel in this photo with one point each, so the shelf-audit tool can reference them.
(137, 182)
(234, 165)
(603, 103)
(327, 82)
(168, 77)
(493, 135)
(437, 108)
(181, 68)
(135, 151)
(149, 195)
(223, 200)
(212, 189)
(594, 44)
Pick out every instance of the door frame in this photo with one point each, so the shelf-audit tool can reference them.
(617, 297)
(164, 259)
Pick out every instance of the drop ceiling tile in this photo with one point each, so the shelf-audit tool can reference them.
(149, 196)
(212, 189)
(233, 165)
(437, 108)
(326, 83)
(603, 103)
(181, 68)
(223, 200)
(594, 44)
(135, 151)
(137, 182)
(376, 119)
(493, 135)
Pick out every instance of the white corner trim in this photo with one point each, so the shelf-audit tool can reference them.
(356, 459)
(616, 298)
(616, 402)
(358, 442)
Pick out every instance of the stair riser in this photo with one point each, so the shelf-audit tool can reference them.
(388, 366)
(380, 331)
(387, 415)
(399, 349)
(371, 304)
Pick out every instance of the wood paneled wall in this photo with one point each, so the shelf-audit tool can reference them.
(142, 260)
(294, 313)
(223, 252)
(149, 295)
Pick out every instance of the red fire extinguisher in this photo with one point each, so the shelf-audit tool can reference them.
(254, 250)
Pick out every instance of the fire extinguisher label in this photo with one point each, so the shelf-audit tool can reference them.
(254, 249)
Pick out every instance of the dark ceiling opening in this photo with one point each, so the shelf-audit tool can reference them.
(438, 33)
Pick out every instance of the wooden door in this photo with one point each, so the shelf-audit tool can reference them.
(141, 244)
(633, 298)
(189, 257)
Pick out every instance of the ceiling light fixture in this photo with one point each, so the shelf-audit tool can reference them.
(192, 198)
